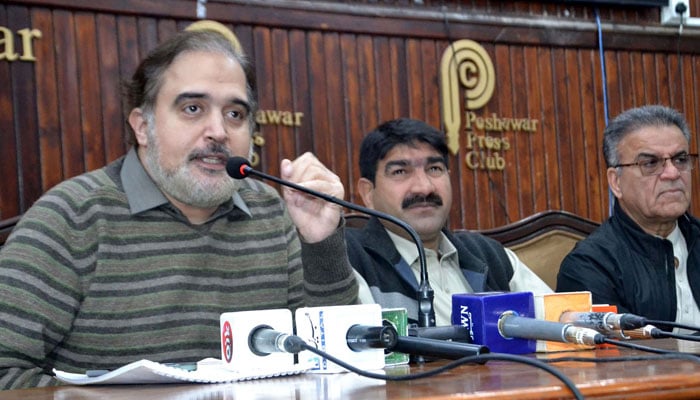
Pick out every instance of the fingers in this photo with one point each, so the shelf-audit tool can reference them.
(309, 172)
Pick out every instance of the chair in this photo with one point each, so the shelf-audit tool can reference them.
(543, 240)
(6, 227)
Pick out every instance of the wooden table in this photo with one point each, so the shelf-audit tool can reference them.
(658, 379)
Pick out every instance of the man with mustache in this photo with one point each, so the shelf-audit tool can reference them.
(140, 258)
(645, 258)
(404, 171)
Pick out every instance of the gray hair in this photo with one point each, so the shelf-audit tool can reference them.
(635, 119)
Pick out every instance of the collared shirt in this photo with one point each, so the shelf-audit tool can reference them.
(446, 278)
(144, 195)
(444, 274)
(687, 311)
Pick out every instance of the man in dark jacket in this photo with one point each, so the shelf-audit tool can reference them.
(404, 171)
(645, 258)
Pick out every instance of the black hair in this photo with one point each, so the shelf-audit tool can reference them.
(386, 136)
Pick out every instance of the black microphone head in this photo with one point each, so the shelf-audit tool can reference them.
(237, 167)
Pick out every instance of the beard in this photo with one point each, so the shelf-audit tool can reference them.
(181, 184)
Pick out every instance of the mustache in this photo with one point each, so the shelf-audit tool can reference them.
(431, 198)
(213, 149)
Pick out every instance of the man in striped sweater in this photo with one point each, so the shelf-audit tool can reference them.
(139, 259)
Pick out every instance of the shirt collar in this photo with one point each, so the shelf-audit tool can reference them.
(409, 252)
(675, 236)
(142, 192)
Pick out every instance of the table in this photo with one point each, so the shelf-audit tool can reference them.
(658, 379)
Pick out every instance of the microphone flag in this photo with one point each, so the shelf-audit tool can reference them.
(550, 307)
(236, 328)
(480, 313)
(327, 328)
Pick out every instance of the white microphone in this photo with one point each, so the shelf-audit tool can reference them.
(605, 322)
(510, 325)
(239, 168)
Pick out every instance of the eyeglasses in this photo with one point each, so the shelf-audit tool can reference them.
(652, 165)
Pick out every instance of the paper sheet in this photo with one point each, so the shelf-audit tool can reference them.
(149, 372)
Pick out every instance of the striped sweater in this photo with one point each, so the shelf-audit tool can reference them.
(86, 284)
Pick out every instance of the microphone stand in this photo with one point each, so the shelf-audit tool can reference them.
(238, 167)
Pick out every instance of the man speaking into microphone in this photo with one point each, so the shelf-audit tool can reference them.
(138, 259)
(405, 173)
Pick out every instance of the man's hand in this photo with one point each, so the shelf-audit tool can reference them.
(315, 218)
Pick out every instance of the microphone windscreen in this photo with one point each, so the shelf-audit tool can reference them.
(236, 167)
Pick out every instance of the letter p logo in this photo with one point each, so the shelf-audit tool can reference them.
(464, 63)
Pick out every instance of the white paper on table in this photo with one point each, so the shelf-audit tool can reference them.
(209, 370)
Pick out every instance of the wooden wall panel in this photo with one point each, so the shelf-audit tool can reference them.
(47, 105)
(347, 66)
(25, 132)
(88, 67)
(353, 98)
(112, 122)
(67, 94)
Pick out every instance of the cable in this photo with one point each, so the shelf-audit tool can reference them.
(606, 322)
(672, 324)
(680, 9)
(465, 360)
(601, 54)
(667, 356)
(644, 348)
(658, 333)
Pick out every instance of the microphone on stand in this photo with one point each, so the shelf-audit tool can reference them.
(239, 168)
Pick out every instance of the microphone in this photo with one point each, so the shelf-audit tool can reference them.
(436, 348)
(363, 337)
(479, 314)
(239, 168)
(453, 333)
(264, 340)
(353, 333)
(510, 325)
(254, 339)
(605, 322)
(508, 322)
(645, 332)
